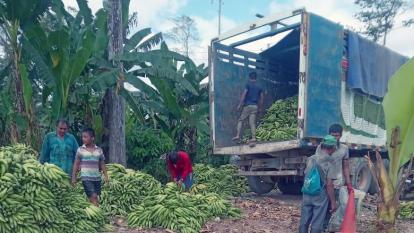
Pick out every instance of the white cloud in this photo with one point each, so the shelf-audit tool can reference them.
(208, 29)
(150, 14)
(156, 14)
(93, 4)
(399, 39)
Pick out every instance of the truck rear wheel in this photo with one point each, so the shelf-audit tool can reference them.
(373, 189)
(361, 176)
(260, 185)
(290, 188)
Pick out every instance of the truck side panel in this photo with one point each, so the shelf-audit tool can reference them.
(231, 69)
(323, 78)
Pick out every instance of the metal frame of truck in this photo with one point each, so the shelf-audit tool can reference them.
(284, 162)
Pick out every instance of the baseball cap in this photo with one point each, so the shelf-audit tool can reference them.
(329, 140)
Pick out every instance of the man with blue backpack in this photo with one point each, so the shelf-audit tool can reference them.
(318, 188)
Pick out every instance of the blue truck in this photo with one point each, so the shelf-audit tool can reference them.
(337, 76)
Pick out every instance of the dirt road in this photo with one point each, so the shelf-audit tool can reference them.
(277, 213)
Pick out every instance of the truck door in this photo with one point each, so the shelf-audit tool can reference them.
(323, 76)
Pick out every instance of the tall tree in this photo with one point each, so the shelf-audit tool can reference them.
(184, 32)
(113, 112)
(379, 17)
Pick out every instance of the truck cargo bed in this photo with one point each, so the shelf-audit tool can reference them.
(264, 147)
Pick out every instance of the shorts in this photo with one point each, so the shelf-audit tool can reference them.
(91, 187)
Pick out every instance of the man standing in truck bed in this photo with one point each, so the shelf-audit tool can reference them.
(252, 102)
(341, 163)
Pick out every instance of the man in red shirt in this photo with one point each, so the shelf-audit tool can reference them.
(181, 169)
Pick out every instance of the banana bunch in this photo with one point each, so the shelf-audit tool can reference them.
(280, 121)
(180, 211)
(223, 180)
(407, 210)
(39, 198)
(126, 189)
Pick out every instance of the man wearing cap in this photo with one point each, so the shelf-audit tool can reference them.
(341, 163)
(315, 207)
(180, 168)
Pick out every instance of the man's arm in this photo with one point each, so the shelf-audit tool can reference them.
(75, 145)
(187, 166)
(171, 168)
(75, 169)
(331, 194)
(243, 96)
(45, 153)
(103, 169)
(347, 173)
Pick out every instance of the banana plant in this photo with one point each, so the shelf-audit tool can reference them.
(174, 97)
(17, 16)
(399, 121)
(61, 48)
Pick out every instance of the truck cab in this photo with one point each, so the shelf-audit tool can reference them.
(307, 57)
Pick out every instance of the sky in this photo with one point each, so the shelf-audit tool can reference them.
(157, 14)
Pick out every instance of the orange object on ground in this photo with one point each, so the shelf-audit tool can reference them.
(349, 222)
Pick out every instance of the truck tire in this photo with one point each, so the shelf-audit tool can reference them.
(360, 174)
(258, 185)
(373, 189)
(290, 188)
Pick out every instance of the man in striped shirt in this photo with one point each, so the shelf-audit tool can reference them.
(91, 161)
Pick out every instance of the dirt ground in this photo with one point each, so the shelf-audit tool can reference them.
(277, 213)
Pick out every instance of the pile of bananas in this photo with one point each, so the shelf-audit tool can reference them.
(407, 210)
(39, 198)
(280, 121)
(223, 180)
(126, 189)
(179, 211)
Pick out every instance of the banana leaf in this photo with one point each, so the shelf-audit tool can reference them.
(399, 112)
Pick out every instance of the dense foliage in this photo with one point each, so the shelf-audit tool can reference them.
(145, 146)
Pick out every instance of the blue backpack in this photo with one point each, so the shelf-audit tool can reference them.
(312, 184)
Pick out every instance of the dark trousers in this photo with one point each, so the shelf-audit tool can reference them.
(313, 213)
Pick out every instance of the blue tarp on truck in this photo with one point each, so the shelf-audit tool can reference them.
(371, 65)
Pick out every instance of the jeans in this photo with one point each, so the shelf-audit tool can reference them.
(313, 212)
(188, 182)
(249, 111)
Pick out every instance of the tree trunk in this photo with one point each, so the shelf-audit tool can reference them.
(17, 81)
(386, 214)
(113, 113)
(192, 148)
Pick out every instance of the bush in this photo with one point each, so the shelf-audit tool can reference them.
(145, 146)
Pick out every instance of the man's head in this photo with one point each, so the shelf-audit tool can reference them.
(62, 126)
(336, 131)
(329, 143)
(173, 157)
(253, 76)
(88, 136)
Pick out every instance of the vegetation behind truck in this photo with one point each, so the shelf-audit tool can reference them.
(310, 61)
